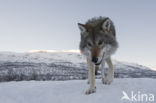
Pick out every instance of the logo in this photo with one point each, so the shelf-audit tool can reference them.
(137, 97)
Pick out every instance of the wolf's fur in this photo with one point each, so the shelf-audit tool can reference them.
(98, 43)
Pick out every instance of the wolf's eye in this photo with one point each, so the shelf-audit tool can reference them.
(89, 44)
(100, 43)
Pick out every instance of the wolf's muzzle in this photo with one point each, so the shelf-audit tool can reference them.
(95, 60)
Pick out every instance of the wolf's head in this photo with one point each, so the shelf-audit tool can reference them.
(97, 39)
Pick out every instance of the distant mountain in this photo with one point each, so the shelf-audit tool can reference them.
(59, 66)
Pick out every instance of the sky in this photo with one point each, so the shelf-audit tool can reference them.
(52, 25)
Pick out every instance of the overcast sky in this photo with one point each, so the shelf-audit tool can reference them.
(47, 24)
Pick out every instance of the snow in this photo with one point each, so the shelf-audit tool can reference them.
(54, 56)
(38, 57)
(73, 91)
(63, 65)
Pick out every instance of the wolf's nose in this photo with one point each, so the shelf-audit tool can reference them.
(94, 60)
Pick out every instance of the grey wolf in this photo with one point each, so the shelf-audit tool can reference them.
(98, 43)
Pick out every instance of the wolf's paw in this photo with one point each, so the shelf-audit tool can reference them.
(107, 80)
(103, 80)
(90, 91)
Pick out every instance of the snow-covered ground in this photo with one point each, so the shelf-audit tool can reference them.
(73, 91)
(130, 78)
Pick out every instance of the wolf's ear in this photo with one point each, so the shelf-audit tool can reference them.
(106, 24)
(82, 27)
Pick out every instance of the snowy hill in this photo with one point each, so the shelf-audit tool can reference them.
(73, 91)
(59, 66)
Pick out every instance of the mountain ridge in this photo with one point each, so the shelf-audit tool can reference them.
(59, 66)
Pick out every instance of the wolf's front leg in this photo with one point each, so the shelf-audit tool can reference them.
(102, 72)
(110, 75)
(91, 78)
(88, 82)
